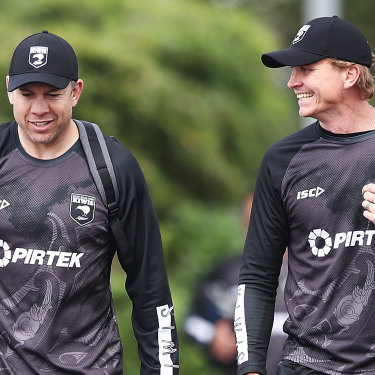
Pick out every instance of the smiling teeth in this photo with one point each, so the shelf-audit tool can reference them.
(40, 123)
(304, 96)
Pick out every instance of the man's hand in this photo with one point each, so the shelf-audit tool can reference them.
(368, 203)
(223, 344)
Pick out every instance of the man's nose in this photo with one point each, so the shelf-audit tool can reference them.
(294, 79)
(39, 106)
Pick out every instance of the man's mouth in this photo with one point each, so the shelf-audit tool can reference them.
(40, 123)
(304, 96)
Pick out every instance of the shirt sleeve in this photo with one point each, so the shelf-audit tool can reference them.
(146, 283)
(265, 245)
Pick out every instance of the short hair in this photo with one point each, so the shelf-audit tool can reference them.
(365, 80)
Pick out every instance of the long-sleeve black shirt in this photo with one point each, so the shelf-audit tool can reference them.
(56, 309)
(308, 200)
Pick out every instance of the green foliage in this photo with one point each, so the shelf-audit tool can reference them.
(182, 86)
(360, 13)
(205, 237)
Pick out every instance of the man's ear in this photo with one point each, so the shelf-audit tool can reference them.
(76, 92)
(351, 76)
(10, 94)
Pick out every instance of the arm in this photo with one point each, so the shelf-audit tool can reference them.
(264, 248)
(147, 283)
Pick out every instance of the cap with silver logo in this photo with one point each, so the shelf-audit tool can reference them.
(43, 57)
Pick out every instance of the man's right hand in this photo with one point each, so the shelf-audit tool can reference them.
(368, 193)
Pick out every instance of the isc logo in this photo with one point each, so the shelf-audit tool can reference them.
(315, 192)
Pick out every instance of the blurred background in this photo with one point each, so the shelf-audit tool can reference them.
(181, 84)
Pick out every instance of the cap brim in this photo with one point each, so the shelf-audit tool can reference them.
(289, 57)
(18, 80)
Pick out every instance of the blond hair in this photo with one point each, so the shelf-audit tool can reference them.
(365, 80)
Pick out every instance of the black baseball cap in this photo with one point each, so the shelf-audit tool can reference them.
(320, 38)
(43, 57)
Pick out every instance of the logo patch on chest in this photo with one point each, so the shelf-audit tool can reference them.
(82, 208)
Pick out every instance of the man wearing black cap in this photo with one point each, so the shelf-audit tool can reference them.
(308, 199)
(56, 309)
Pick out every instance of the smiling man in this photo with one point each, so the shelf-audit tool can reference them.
(56, 244)
(308, 199)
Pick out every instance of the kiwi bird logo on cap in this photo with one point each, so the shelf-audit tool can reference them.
(301, 33)
(38, 56)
